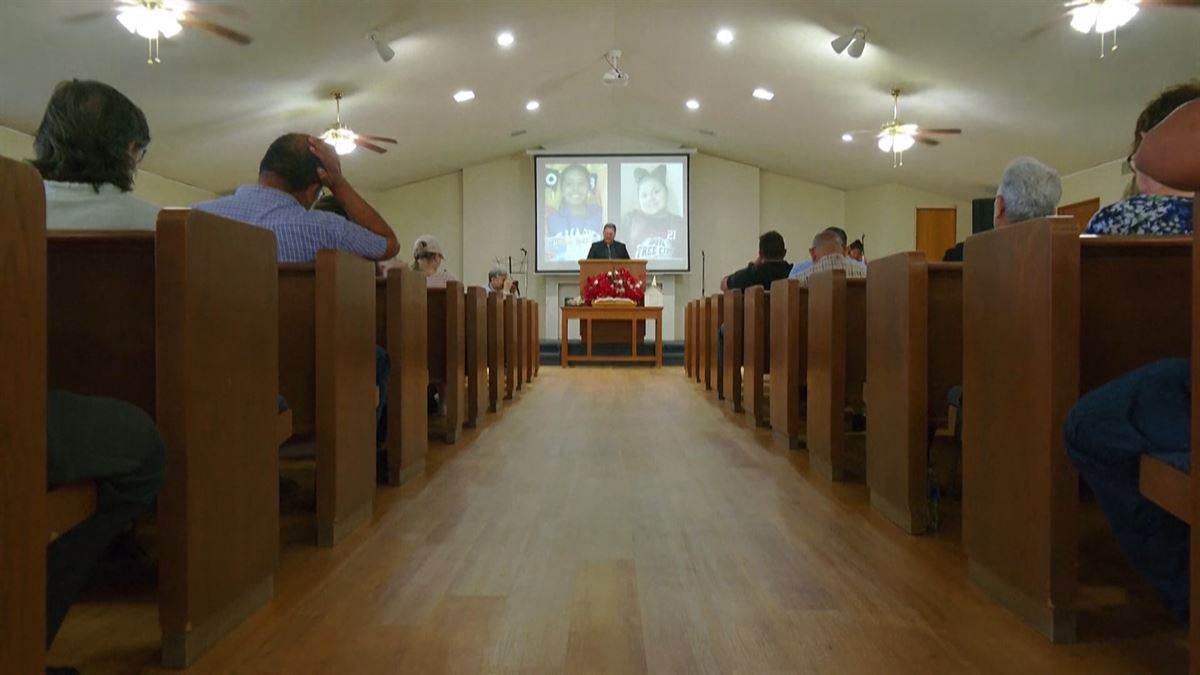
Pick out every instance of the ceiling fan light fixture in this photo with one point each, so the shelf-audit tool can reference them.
(1114, 14)
(903, 142)
(151, 23)
(1084, 17)
(341, 138)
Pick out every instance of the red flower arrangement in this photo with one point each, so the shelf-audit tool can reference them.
(618, 283)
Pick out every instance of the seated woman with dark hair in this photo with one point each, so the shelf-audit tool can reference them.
(88, 148)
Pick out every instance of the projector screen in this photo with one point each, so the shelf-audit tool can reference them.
(645, 196)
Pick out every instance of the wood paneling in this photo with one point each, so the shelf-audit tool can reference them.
(789, 359)
(1082, 212)
(914, 356)
(1047, 316)
(23, 520)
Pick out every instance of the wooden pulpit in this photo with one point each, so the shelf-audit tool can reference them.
(609, 332)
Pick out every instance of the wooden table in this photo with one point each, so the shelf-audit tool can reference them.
(585, 316)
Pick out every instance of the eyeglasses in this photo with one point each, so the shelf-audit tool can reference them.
(141, 153)
(1129, 164)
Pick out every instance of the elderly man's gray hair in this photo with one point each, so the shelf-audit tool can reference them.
(827, 240)
(1030, 190)
(497, 272)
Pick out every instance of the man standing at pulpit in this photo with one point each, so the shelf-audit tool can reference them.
(609, 248)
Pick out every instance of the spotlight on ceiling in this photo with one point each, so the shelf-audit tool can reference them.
(464, 95)
(725, 36)
(505, 39)
(763, 94)
(692, 104)
(385, 52)
(532, 106)
(847, 137)
(855, 40)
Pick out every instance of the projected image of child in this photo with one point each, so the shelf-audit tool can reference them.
(575, 217)
(654, 224)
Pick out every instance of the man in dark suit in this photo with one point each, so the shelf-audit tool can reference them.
(610, 248)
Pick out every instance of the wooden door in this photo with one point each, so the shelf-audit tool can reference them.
(937, 230)
(1082, 211)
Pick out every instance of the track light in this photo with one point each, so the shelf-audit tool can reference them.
(855, 40)
(385, 52)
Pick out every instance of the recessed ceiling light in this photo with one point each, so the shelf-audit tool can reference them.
(505, 39)
(464, 95)
(692, 104)
(532, 105)
(764, 94)
(847, 137)
(725, 36)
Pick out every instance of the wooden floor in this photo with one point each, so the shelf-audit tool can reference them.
(618, 521)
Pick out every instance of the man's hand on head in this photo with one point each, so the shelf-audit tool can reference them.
(330, 171)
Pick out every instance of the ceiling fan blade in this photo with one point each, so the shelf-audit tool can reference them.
(368, 146)
(1045, 27)
(216, 29)
(381, 139)
(1170, 3)
(92, 15)
(928, 141)
(216, 8)
(938, 131)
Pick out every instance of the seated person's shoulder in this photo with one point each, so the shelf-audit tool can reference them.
(1144, 214)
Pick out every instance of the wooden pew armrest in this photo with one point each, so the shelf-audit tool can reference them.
(69, 505)
(1166, 486)
(283, 427)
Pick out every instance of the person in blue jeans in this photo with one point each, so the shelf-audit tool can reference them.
(1147, 411)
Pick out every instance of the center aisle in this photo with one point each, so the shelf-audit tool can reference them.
(616, 521)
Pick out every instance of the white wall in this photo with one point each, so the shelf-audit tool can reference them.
(887, 215)
(433, 206)
(1105, 181)
(148, 186)
(798, 209)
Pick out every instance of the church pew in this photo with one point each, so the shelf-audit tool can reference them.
(788, 308)
(1032, 344)
(23, 518)
(446, 349)
(914, 357)
(511, 346)
(837, 364)
(522, 341)
(475, 357)
(495, 351)
(401, 296)
(327, 334)
(756, 353)
(735, 328)
(535, 347)
(689, 330)
(181, 323)
(716, 317)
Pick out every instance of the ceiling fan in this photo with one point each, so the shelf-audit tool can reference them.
(344, 139)
(1106, 16)
(895, 136)
(156, 19)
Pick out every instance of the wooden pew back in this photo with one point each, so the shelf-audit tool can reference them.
(327, 330)
(688, 340)
(914, 356)
(475, 359)
(1048, 316)
(716, 317)
(756, 353)
(735, 328)
(522, 341)
(495, 351)
(182, 314)
(402, 297)
(511, 346)
(837, 355)
(447, 351)
(789, 360)
(23, 521)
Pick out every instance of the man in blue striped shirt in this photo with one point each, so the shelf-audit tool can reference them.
(291, 177)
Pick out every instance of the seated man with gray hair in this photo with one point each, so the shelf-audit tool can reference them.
(829, 253)
(1028, 189)
(498, 281)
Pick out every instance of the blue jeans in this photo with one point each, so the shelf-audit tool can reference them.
(1145, 411)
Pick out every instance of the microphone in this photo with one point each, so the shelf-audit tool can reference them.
(703, 263)
(516, 287)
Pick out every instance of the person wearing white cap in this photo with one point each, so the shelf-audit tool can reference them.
(428, 259)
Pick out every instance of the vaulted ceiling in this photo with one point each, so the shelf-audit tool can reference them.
(213, 107)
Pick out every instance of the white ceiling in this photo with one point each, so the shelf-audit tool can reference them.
(213, 107)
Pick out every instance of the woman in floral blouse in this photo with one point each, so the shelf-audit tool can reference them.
(1156, 208)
